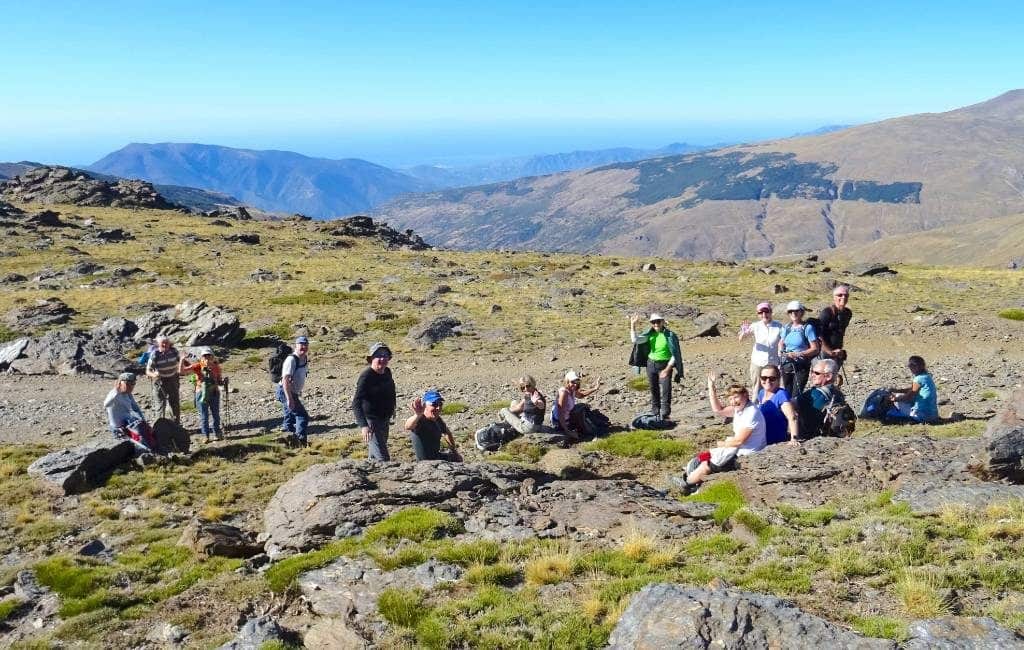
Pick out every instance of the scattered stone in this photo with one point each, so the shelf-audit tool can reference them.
(709, 324)
(648, 267)
(960, 632)
(355, 286)
(936, 320)
(428, 334)
(85, 467)
(333, 634)
(236, 212)
(13, 278)
(867, 270)
(255, 633)
(674, 616)
(767, 270)
(250, 238)
(262, 275)
(777, 289)
(361, 226)
(52, 311)
(495, 309)
(47, 218)
(167, 633)
(113, 235)
(209, 539)
(92, 548)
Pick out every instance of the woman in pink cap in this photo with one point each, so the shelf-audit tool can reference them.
(766, 333)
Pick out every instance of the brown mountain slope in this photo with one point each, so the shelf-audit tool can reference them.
(853, 186)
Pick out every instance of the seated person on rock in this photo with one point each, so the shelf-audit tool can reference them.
(567, 416)
(748, 428)
(813, 405)
(426, 428)
(526, 415)
(124, 414)
(919, 402)
(773, 402)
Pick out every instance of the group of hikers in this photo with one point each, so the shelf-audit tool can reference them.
(776, 407)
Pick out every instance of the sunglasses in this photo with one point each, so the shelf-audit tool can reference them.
(769, 377)
(795, 311)
(764, 311)
(818, 372)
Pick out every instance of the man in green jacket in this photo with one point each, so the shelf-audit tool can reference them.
(660, 347)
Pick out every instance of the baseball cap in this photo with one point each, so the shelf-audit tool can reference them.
(764, 305)
(571, 376)
(379, 349)
(205, 351)
(795, 305)
(127, 376)
(432, 397)
(655, 316)
(302, 340)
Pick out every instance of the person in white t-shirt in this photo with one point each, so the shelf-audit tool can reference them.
(749, 435)
(767, 333)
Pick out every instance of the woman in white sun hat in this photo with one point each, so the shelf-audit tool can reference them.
(798, 345)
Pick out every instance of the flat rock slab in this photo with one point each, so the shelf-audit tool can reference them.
(930, 498)
(961, 633)
(673, 616)
(500, 502)
(83, 468)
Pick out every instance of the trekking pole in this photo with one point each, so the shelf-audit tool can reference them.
(227, 419)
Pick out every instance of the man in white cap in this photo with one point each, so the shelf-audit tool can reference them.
(658, 350)
(289, 392)
(164, 367)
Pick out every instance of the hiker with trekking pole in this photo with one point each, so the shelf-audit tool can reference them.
(208, 379)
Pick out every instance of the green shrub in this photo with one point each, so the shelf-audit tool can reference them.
(1012, 314)
(451, 408)
(468, 553)
(652, 445)
(810, 518)
(725, 494)
(403, 607)
(281, 331)
(415, 524)
(9, 606)
(881, 627)
(281, 576)
(493, 574)
(639, 383)
(401, 557)
(718, 546)
(70, 580)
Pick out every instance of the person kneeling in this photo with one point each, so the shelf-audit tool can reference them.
(426, 427)
(748, 436)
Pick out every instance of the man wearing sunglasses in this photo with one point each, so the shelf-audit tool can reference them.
(812, 405)
(834, 320)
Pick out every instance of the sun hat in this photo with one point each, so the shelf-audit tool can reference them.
(302, 340)
(655, 316)
(764, 305)
(432, 397)
(572, 376)
(378, 349)
(127, 376)
(205, 351)
(795, 305)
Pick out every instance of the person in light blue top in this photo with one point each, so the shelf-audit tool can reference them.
(797, 346)
(919, 402)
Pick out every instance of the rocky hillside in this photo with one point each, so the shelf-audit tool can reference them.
(279, 181)
(852, 186)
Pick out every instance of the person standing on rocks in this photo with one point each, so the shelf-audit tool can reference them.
(767, 332)
(526, 415)
(748, 436)
(289, 393)
(208, 380)
(124, 414)
(834, 320)
(918, 402)
(164, 367)
(798, 345)
(374, 401)
(427, 428)
(658, 350)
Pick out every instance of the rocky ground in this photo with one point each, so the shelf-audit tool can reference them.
(899, 536)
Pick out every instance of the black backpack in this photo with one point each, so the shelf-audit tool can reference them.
(840, 420)
(650, 421)
(492, 437)
(276, 362)
(596, 422)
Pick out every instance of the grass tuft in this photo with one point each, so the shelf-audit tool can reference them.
(725, 494)
(642, 443)
(549, 569)
(1012, 314)
(503, 574)
(881, 627)
(451, 408)
(415, 524)
(281, 576)
(402, 607)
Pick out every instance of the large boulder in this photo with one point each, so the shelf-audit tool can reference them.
(44, 313)
(428, 334)
(961, 633)
(50, 185)
(207, 539)
(494, 501)
(1003, 453)
(68, 352)
(85, 467)
(673, 616)
(170, 437)
(191, 323)
(11, 351)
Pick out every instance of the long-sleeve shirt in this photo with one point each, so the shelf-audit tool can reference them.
(121, 409)
(374, 398)
(197, 369)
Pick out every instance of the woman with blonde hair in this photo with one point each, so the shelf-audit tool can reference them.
(526, 414)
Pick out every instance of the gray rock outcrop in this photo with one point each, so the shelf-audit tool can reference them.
(361, 226)
(1003, 453)
(208, 538)
(961, 633)
(673, 616)
(82, 468)
(428, 334)
(495, 502)
(44, 313)
(192, 323)
(49, 185)
(255, 633)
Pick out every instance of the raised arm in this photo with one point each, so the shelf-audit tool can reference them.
(716, 404)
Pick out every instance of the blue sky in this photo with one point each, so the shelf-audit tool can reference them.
(400, 83)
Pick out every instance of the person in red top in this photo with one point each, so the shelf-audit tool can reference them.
(208, 379)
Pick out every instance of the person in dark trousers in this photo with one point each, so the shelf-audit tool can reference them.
(798, 345)
(289, 392)
(834, 320)
(164, 368)
(658, 350)
(427, 428)
(374, 401)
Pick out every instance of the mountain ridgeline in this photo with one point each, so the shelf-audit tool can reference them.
(847, 187)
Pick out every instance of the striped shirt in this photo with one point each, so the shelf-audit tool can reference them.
(165, 363)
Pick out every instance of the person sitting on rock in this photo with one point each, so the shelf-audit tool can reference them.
(657, 350)
(526, 415)
(772, 400)
(427, 428)
(919, 402)
(748, 436)
(208, 380)
(813, 405)
(124, 414)
(164, 368)
(566, 413)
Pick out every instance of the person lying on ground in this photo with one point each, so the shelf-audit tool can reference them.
(427, 428)
(657, 350)
(772, 400)
(918, 402)
(208, 380)
(124, 415)
(813, 404)
(798, 345)
(566, 416)
(748, 436)
(767, 332)
(374, 401)
(526, 415)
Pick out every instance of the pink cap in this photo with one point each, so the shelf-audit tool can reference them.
(764, 305)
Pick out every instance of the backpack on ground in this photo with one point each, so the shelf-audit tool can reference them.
(596, 423)
(840, 420)
(649, 421)
(878, 403)
(492, 437)
(275, 364)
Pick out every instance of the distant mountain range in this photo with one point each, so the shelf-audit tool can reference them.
(845, 187)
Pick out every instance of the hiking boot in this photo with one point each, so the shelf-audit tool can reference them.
(219, 435)
(681, 483)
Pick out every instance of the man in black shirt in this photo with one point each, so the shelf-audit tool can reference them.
(834, 320)
(374, 401)
(427, 428)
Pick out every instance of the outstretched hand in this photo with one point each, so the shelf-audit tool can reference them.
(711, 377)
(634, 318)
(417, 406)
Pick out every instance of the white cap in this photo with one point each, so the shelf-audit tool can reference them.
(205, 351)
(655, 316)
(571, 376)
(795, 305)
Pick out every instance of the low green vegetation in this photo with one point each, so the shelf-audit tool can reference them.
(642, 443)
(281, 576)
(7, 334)
(724, 494)
(452, 408)
(318, 297)
(416, 524)
(9, 606)
(639, 383)
(1012, 314)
